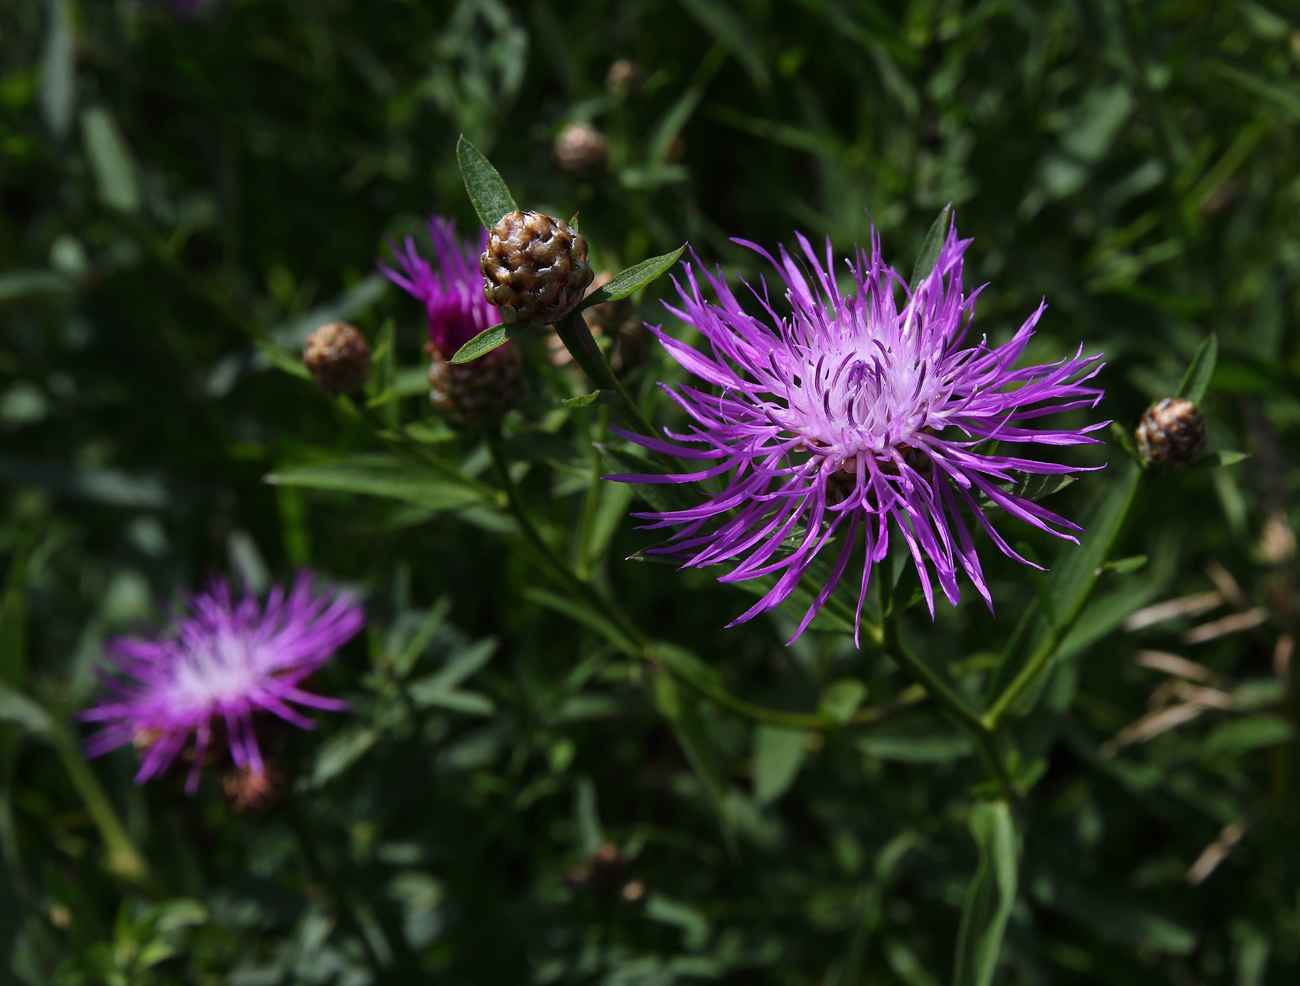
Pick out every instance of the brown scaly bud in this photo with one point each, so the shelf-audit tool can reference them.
(534, 267)
(477, 391)
(253, 793)
(1172, 432)
(338, 358)
(624, 77)
(581, 150)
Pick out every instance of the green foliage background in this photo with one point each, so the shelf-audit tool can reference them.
(186, 198)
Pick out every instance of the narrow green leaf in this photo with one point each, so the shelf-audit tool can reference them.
(778, 755)
(460, 667)
(1123, 566)
(486, 188)
(284, 360)
(19, 710)
(931, 245)
(1030, 487)
(410, 650)
(1197, 378)
(1070, 584)
(990, 895)
(341, 751)
(586, 818)
(733, 32)
(489, 339)
(580, 612)
(633, 279)
(58, 72)
(111, 162)
(595, 397)
(384, 375)
(842, 698)
(453, 700)
(381, 475)
(1249, 733)
(1213, 460)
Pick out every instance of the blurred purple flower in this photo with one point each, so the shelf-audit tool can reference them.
(227, 660)
(851, 413)
(453, 292)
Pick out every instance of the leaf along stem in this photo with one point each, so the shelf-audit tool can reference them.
(984, 737)
(576, 336)
(1006, 702)
(637, 645)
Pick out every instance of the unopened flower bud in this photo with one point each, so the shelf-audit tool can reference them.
(254, 792)
(338, 358)
(477, 391)
(581, 150)
(1172, 432)
(534, 267)
(623, 77)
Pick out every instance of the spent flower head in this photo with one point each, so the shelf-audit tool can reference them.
(452, 291)
(853, 415)
(210, 674)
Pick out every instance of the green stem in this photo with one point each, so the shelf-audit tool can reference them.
(400, 443)
(615, 615)
(573, 332)
(123, 859)
(984, 737)
(640, 645)
(1002, 707)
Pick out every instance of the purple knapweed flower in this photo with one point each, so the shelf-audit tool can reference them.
(850, 414)
(225, 661)
(452, 293)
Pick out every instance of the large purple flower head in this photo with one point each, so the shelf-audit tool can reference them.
(228, 659)
(855, 414)
(453, 292)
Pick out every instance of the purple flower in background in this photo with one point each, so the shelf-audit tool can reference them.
(227, 660)
(452, 293)
(853, 414)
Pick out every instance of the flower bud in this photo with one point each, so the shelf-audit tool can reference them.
(477, 391)
(254, 792)
(338, 358)
(534, 267)
(581, 150)
(623, 77)
(1172, 432)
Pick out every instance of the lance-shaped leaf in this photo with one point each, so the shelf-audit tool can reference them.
(489, 339)
(1197, 378)
(381, 475)
(487, 189)
(631, 280)
(989, 897)
(931, 245)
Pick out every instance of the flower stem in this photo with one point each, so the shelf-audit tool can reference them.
(123, 859)
(573, 332)
(637, 644)
(985, 738)
(1126, 490)
(580, 587)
